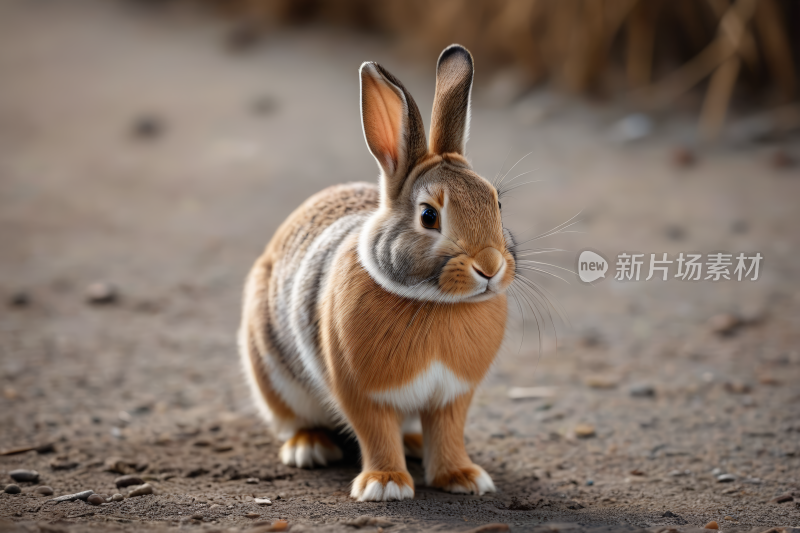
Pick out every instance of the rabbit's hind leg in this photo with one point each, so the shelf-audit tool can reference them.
(308, 448)
(307, 443)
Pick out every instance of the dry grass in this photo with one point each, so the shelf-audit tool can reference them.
(654, 49)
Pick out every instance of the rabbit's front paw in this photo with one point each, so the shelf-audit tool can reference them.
(309, 448)
(382, 486)
(469, 480)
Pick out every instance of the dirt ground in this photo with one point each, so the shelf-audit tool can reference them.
(138, 149)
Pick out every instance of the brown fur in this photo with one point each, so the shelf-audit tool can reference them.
(374, 340)
(377, 340)
(443, 431)
(310, 437)
(412, 442)
(370, 338)
(292, 238)
(275, 402)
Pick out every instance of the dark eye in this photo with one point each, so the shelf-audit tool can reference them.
(499, 205)
(430, 218)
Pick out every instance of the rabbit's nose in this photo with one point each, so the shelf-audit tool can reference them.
(488, 262)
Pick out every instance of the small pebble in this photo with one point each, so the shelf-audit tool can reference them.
(252, 515)
(221, 448)
(100, 293)
(683, 157)
(24, 475)
(72, 497)
(669, 514)
(737, 387)
(632, 128)
(45, 448)
(252, 480)
(96, 499)
(675, 233)
(366, 520)
(117, 497)
(263, 501)
(584, 431)
(711, 525)
(119, 465)
(726, 478)
(63, 465)
(197, 517)
(723, 324)
(589, 482)
(279, 525)
(19, 299)
(243, 37)
(147, 488)
(642, 391)
(781, 160)
(600, 382)
(127, 481)
(147, 127)
(12, 489)
(740, 226)
(265, 105)
(489, 528)
(679, 473)
(717, 471)
(44, 490)
(783, 498)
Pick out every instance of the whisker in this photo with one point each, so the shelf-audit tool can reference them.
(502, 193)
(523, 174)
(501, 168)
(536, 251)
(547, 264)
(547, 304)
(557, 229)
(531, 302)
(534, 269)
(512, 292)
(512, 168)
(543, 292)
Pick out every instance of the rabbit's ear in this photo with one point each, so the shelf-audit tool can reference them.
(392, 126)
(450, 120)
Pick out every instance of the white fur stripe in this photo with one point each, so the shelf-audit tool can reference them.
(435, 387)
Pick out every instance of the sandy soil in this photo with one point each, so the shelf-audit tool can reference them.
(228, 144)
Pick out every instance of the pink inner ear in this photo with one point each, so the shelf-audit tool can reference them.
(383, 113)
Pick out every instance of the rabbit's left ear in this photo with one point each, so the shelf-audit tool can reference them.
(450, 119)
(392, 127)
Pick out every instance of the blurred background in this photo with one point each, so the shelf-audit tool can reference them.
(149, 149)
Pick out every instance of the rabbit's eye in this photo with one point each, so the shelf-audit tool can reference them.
(430, 218)
(499, 205)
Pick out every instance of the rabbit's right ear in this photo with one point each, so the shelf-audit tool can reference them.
(392, 126)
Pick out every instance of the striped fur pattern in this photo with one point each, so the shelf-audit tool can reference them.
(363, 314)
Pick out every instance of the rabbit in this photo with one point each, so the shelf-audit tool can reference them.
(381, 308)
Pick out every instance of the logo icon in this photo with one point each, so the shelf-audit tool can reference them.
(591, 266)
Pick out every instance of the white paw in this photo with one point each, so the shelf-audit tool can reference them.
(308, 449)
(382, 487)
(473, 480)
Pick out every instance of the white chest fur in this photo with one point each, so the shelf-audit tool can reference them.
(435, 387)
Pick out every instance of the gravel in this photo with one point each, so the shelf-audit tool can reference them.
(24, 475)
(72, 497)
